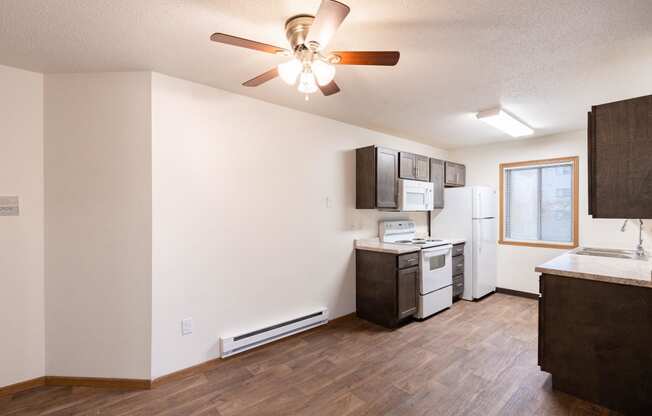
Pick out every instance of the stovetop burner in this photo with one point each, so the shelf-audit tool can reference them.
(419, 241)
(404, 232)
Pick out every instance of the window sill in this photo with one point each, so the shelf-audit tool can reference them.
(561, 246)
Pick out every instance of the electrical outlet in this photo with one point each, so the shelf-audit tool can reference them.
(329, 202)
(186, 326)
(9, 206)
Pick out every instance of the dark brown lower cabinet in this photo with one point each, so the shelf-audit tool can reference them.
(458, 270)
(595, 338)
(386, 286)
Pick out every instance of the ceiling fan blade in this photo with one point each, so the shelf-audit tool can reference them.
(330, 88)
(262, 78)
(329, 17)
(245, 43)
(388, 58)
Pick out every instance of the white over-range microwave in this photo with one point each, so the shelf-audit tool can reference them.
(415, 195)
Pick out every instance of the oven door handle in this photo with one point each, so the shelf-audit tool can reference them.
(430, 252)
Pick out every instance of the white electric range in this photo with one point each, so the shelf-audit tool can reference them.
(435, 269)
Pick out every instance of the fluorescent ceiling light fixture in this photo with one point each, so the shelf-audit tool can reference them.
(504, 122)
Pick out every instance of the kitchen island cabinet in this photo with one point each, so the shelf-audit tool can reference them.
(595, 332)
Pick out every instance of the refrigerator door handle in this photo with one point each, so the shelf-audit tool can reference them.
(480, 206)
(479, 242)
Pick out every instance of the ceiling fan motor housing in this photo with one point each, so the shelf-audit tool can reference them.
(296, 29)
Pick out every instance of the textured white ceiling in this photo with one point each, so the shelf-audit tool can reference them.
(545, 61)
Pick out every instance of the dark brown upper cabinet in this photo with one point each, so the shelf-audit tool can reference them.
(437, 178)
(620, 159)
(415, 167)
(455, 174)
(376, 178)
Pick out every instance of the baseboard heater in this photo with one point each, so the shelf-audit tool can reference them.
(256, 337)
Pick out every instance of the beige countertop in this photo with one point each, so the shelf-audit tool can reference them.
(630, 272)
(374, 244)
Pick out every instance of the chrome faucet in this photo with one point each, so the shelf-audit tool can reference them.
(640, 251)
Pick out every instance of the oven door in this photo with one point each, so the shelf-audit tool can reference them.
(436, 269)
(415, 195)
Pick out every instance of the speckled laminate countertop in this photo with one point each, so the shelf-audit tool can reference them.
(632, 272)
(374, 244)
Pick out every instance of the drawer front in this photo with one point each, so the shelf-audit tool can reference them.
(458, 288)
(458, 250)
(458, 265)
(408, 260)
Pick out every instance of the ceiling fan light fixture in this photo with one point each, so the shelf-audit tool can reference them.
(289, 71)
(505, 122)
(324, 73)
(307, 84)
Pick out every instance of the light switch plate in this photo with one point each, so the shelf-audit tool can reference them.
(9, 206)
(186, 326)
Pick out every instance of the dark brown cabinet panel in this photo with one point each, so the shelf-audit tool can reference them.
(458, 265)
(594, 338)
(620, 161)
(386, 178)
(458, 270)
(386, 286)
(415, 167)
(408, 260)
(455, 174)
(407, 165)
(376, 178)
(407, 292)
(437, 178)
(422, 170)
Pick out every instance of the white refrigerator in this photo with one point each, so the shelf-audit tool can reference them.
(470, 213)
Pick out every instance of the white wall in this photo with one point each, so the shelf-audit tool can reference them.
(98, 224)
(516, 264)
(22, 319)
(242, 234)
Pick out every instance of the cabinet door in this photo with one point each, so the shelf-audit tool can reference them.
(386, 178)
(622, 140)
(461, 175)
(590, 156)
(407, 165)
(541, 337)
(455, 174)
(437, 178)
(422, 168)
(407, 291)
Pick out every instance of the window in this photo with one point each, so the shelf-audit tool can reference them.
(538, 205)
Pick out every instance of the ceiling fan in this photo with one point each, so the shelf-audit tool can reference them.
(308, 36)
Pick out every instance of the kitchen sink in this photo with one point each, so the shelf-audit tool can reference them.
(607, 252)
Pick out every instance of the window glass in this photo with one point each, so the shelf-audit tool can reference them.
(522, 204)
(557, 203)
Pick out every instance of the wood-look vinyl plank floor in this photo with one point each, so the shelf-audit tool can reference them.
(476, 359)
